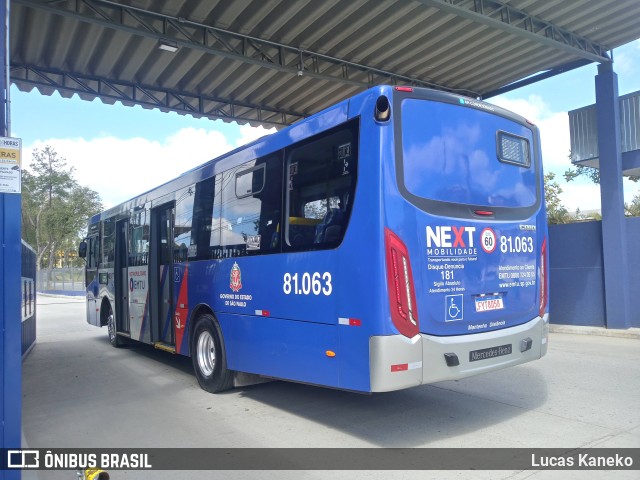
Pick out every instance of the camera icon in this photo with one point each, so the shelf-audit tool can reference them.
(23, 459)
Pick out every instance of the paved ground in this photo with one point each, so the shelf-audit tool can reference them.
(80, 392)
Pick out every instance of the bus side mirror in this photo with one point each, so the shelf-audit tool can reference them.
(82, 250)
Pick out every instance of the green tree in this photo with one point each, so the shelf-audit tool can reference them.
(556, 212)
(633, 209)
(55, 208)
(591, 173)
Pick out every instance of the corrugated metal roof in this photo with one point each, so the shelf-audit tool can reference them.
(274, 61)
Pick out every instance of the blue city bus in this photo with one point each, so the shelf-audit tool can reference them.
(395, 239)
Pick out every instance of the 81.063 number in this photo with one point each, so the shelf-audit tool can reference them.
(307, 283)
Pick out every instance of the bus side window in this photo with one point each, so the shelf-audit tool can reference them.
(139, 238)
(321, 176)
(183, 223)
(251, 206)
(108, 242)
(93, 252)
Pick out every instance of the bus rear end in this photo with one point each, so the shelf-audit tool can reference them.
(465, 242)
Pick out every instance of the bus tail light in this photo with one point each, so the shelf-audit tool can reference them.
(544, 275)
(485, 213)
(402, 295)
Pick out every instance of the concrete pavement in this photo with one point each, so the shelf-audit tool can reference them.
(80, 392)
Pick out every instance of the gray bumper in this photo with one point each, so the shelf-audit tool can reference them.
(398, 362)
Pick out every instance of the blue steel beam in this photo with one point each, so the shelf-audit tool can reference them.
(10, 323)
(10, 255)
(614, 238)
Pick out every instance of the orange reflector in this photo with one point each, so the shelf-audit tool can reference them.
(329, 353)
(400, 368)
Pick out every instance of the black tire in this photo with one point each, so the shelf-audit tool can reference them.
(116, 340)
(208, 356)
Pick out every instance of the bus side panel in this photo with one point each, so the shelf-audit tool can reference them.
(281, 348)
(361, 294)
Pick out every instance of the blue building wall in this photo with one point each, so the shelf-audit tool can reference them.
(633, 233)
(577, 275)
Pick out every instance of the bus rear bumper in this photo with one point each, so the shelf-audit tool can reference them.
(398, 362)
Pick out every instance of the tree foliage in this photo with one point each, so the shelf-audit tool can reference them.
(55, 208)
(556, 212)
(633, 209)
(591, 173)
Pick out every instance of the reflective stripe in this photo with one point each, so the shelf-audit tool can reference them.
(353, 322)
(400, 368)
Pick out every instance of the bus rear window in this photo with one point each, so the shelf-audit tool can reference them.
(513, 149)
(452, 153)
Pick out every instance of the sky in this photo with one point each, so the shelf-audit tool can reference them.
(123, 151)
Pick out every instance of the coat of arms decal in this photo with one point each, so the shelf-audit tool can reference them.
(235, 282)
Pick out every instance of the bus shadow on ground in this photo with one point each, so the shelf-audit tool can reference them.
(427, 415)
(420, 416)
(179, 362)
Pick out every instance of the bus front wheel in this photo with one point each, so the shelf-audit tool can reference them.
(208, 356)
(115, 339)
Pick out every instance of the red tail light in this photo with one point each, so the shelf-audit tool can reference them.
(402, 295)
(544, 276)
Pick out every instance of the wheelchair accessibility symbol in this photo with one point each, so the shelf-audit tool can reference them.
(453, 308)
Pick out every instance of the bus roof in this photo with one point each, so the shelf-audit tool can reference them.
(316, 123)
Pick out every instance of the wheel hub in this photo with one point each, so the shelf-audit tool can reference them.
(206, 353)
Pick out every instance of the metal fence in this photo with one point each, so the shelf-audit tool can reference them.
(66, 279)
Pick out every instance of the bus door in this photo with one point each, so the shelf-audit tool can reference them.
(161, 275)
(91, 279)
(121, 268)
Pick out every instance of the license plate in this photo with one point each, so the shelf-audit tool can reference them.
(492, 352)
(485, 304)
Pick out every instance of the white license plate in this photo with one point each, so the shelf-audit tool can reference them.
(484, 304)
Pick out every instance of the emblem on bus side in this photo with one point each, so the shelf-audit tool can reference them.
(236, 278)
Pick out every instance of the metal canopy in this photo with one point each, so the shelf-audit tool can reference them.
(272, 62)
(583, 130)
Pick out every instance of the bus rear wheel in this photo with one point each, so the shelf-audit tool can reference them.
(208, 356)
